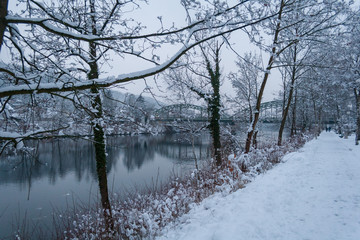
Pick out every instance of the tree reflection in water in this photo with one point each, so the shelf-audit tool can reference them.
(64, 164)
(55, 159)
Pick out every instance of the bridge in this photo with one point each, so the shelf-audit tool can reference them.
(270, 112)
(181, 112)
(186, 112)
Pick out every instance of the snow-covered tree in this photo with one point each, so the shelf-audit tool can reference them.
(352, 65)
(340, 61)
(316, 16)
(246, 82)
(200, 74)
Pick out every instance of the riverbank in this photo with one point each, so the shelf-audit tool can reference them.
(314, 194)
(145, 216)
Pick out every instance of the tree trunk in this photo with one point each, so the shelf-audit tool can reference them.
(338, 123)
(97, 118)
(293, 121)
(263, 84)
(250, 113)
(318, 131)
(315, 113)
(100, 154)
(3, 14)
(215, 133)
(287, 107)
(357, 99)
(255, 143)
(215, 109)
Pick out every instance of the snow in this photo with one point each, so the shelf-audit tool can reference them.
(314, 194)
(9, 135)
(44, 22)
(105, 82)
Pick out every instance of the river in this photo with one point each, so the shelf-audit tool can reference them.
(59, 172)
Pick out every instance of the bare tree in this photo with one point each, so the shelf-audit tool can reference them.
(353, 68)
(343, 72)
(318, 17)
(201, 75)
(253, 124)
(295, 67)
(246, 81)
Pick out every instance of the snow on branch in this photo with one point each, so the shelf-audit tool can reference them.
(17, 138)
(45, 23)
(123, 78)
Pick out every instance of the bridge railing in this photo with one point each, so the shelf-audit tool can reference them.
(270, 112)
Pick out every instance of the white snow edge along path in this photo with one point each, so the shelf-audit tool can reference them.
(314, 194)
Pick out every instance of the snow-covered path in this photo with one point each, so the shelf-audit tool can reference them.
(314, 195)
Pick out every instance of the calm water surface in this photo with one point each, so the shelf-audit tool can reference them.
(62, 171)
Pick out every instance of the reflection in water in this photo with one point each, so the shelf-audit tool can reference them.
(57, 158)
(52, 160)
(61, 168)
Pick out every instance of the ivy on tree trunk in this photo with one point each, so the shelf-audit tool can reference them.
(357, 99)
(97, 119)
(214, 103)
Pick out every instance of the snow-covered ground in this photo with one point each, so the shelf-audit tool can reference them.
(314, 194)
